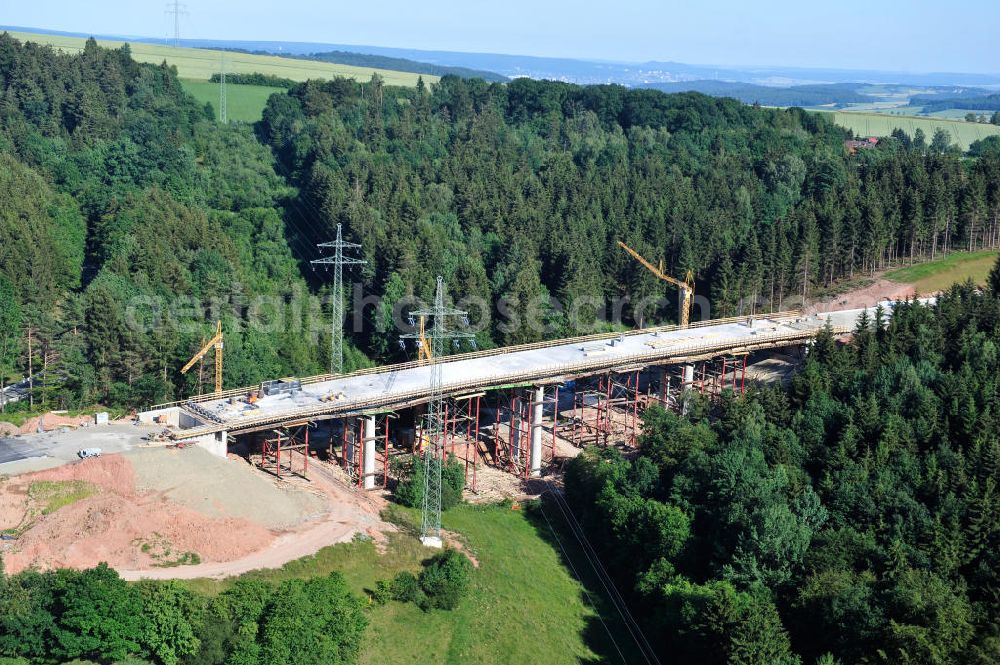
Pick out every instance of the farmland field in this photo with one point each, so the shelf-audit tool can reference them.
(195, 63)
(881, 124)
(243, 102)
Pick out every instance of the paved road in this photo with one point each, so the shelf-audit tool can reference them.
(12, 450)
(59, 447)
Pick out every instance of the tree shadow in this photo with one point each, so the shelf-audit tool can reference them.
(606, 634)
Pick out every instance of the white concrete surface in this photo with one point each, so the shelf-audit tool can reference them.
(537, 414)
(368, 453)
(51, 449)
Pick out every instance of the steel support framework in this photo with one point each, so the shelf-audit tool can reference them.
(606, 411)
(714, 376)
(623, 407)
(461, 433)
(588, 425)
(277, 451)
(512, 430)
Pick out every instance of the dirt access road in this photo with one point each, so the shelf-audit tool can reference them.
(866, 296)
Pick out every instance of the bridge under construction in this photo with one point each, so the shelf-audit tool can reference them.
(603, 370)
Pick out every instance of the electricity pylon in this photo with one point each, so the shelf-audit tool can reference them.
(178, 9)
(338, 261)
(433, 431)
(223, 111)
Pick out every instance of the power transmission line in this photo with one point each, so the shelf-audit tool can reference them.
(178, 9)
(433, 431)
(648, 653)
(338, 261)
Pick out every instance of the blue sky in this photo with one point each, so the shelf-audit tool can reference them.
(914, 35)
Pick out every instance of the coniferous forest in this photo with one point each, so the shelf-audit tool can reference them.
(131, 220)
(852, 518)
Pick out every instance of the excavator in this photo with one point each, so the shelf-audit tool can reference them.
(686, 287)
(214, 343)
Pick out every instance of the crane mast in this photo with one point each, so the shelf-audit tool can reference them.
(214, 343)
(686, 286)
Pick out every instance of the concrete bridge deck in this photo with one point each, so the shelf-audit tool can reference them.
(397, 386)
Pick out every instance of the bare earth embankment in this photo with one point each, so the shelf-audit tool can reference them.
(171, 513)
(865, 296)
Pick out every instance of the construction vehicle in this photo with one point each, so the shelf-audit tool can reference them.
(214, 343)
(686, 287)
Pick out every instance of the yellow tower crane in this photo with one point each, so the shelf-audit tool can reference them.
(214, 343)
(425, 352)
(686, 286)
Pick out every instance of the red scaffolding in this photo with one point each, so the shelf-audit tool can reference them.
(714, 376)
(510, 443)
(461, 433)
(352, 444)
(623, 407)
(512, 430)
(606, 411)
(278, 451)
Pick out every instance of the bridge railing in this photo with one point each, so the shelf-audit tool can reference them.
(679, 353)
(776, 317)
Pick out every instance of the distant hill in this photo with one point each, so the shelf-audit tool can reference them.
(380, 62)
(403, 65)
(798, 95)
(971, 103)
(572, 70)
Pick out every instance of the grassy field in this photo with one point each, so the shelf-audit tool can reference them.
(524, 606)
(881, 124)
(243, 102)
(194, 63)
(940, 274)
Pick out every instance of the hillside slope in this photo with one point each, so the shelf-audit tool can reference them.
(196, 63)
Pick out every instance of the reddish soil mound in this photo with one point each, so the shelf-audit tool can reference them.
(45, 422)
(50, 421)
(111, 472)
(118, 525)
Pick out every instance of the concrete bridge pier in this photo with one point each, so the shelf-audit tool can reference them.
(687, 385)
(368, 453)
(537, 414)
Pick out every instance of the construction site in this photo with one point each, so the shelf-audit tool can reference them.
(233, 480)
